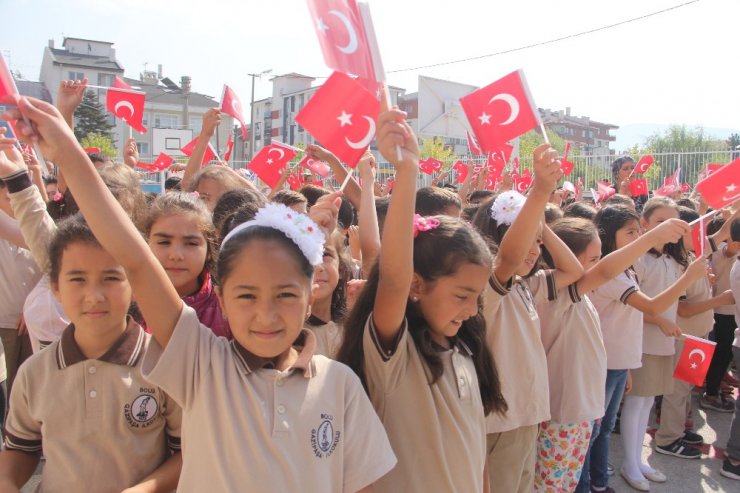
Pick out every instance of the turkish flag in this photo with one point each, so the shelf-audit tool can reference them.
(430, 165)
(643, 164)
(694, 362)
(295, 181)
(8, 90)
(146, 166)
(341, 115)
(231, 105)
(270, 162)
(491, 183)
(128, 105)
(501, 111)
(210, 154)
(473, 146)
(462, 171)
(496, 164)
(342, 37)
(698, 233)
(229, 147)
(318, 167)
(639, 187)
(566, 166)
(671, 184)
(515, 164)
(604, 190)
(120, 83)
(163, 162)
(722, 187)
(92, 150)
(523, 183)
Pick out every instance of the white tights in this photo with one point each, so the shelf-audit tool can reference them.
(633, 425)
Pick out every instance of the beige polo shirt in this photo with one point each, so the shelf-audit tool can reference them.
(437, 430)
(328, 337)
(701, 323)
(247, 427)
(655, 274)
(721, 267)
(576, 358)
(735, 286)
(102, 425)
(513, 335)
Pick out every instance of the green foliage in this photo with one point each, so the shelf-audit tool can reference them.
(91, 117)
(436, 148)
(101, 141)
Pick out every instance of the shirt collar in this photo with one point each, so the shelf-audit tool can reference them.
(305, 344)
(125, 351)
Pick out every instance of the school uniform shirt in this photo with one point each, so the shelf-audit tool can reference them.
(328, 336)
(735, 286)
(513, 335)
(655, 274)
(249, 427)
(701, 323)
(721, 267)
(18, 275)
(102, 425)
(437, 430)
(576, 358)
(44, 316)
(621, 325)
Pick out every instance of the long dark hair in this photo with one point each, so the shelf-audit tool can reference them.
(608, 221)
(576, 232)
(616, 166)
(675, 250)
(437, 253)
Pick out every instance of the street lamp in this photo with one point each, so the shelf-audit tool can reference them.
(251, 121)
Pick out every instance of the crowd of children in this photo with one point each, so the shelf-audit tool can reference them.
(227, 338)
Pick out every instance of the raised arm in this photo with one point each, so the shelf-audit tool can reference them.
(660, 303)
(211, 121)
(618, 261)
(69, 97)
(397, 246)
(523, 231)
(352, 190)
(688, 309)
(156, 297)
(567, 267)
(367, 215)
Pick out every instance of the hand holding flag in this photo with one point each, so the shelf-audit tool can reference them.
(694, 362)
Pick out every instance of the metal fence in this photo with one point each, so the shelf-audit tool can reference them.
(590, 167)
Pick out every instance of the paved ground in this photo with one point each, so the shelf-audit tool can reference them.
(684, 476)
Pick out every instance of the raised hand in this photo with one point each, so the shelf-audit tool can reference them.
(130, 153)
(47, 127)
(325, 211)
(319, 153)
(669, 231)
(11, 160)
(70, 96)
(546, 169)
(396, 140)
(211, 121)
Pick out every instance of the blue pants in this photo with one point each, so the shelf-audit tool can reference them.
(597, 457)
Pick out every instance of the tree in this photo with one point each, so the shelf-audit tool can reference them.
(733, 142)
(436, 148)
(90, 117)
(103, 142)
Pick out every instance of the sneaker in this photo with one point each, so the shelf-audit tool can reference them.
(691, 438)
(716, 404)
(728, 470)
(609, 469)
(679, 449)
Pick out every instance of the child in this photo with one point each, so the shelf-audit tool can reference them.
(576, 377)
(620, 305)
(512, 325)
(257, 410)
(85, 399)
(182, 237)
(416, 336)
(731, 465)
(434, 201)
(663, 267)
(694, 318)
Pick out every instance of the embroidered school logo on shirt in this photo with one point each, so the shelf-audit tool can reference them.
(142, 411)
(324, 439)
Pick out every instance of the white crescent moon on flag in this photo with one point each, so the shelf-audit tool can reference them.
(352, 43)
(367, 139)
(513, 106)
(699, 352)
(732, 198)
(236, 106)
(280, 151)
(124, 104)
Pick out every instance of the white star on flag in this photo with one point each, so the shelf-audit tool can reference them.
(321, 26)
(269, 161)
(731, 187)
(693, 366)
(485, 119)
(344, 119)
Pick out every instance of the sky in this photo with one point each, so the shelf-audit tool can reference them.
(678, 67)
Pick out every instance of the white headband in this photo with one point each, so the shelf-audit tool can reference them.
(506, 207)
(299, 228)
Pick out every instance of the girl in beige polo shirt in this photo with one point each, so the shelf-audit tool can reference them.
(576, 357)
(516, 284)
(261, 411)
(416, 336)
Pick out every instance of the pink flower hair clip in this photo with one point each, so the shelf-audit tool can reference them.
(424, 224)
(195, 194)
(57, 197)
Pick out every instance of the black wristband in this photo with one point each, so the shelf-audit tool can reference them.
(18, 182)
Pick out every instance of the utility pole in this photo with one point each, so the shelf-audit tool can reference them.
(251, 119)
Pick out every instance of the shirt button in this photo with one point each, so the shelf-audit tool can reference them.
(461, 380)
(93, 394)
(92, 370)
(281, 409)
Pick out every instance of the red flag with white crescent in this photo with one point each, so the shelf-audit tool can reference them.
(270, 162)
(643, 164)
(473, 146)
(128, 105)
(695, 358)
(318, 167)
(210, 154)
(722, 187)
(232, 105)
(430, 165)
(462, 171)
(229, 147)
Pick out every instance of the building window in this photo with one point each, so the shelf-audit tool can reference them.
(76, 75)
(196, 123)
(165, 121)
(300, 101)
(143, 148)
